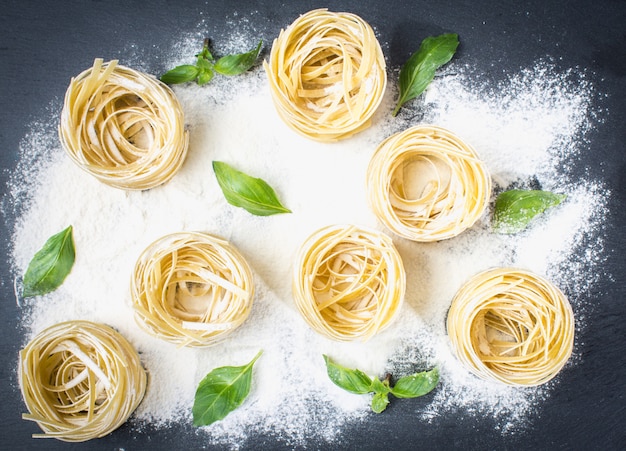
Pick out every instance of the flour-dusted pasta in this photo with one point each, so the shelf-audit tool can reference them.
(426, 184)
(512, 326)
(327, 74)
(124, 127)
(191, 289)
(80, 380)
(348, 282)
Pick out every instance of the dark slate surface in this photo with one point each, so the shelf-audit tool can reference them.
(42, 44)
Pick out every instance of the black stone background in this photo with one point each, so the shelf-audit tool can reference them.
(44, 43)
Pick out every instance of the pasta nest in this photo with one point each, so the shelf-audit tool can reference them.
(348, 282)
(327, 74)
(512, 326)
(426, 184)
(124, 127)
(80, 380)
(191, 289)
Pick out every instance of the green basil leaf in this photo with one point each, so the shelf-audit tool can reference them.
(514, 209)
(242, 190)
(379, 386)
(203, 64)
(205, 76)
(237, 63)
(222, 391)
(419, 70)
(354, 381)
(180, 74)
(415, 385)
(379, 402)
(50, 265)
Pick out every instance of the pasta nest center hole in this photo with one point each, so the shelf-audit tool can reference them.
(189, 299)
(131, 124)
(67, 381)
(508, 331)
(352, 276)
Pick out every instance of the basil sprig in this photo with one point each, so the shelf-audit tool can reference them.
(222, 391)
(206, 66)
(515, 209)
(252, 194)
(50, 265)
(356, 381)
(419, 70)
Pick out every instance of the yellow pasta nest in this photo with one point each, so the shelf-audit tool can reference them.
(426, 184)
(511, 326)
(124, 127)
(80, 380)
(327, 74)
(191, 289)
(348, 282)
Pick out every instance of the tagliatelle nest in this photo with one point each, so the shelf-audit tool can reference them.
(80, 380)
(327, 74)
(512, 326)
(124, 127)
(348, 282)
(191, 289)
(426, 184)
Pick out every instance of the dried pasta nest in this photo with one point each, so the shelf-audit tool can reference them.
(191, 289)
(348, 282)
(512, 326)
(327, 74)
(80, 380)
(426, 184)
(124, 127)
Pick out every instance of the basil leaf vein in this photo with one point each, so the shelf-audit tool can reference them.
(515, 209)
(221, 391)
(51, 264)
(419, 70)
(250, 193)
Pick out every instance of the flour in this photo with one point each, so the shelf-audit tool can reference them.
(527, 130)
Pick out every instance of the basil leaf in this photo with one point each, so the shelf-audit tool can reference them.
(242, 190)
(205, 76)
(204, 64)
(379, 402)
(419, 70)
(222, 391)
(237, 63)
(379, 386)
(415, 385)
(514, 209)
(50, 265)
(180, 74)
(354, 381)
